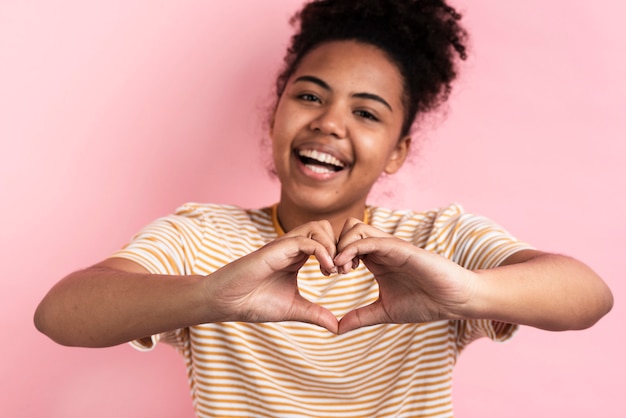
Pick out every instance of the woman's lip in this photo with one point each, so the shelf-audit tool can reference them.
(316, 172)
(322, 158)
(323, 149)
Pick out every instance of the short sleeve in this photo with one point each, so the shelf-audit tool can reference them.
(178, 338)
(475, 242)
(472, 241)
(166, 246)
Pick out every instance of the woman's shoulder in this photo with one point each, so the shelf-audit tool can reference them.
(418, 227)
(195, 210)
(216, 218)
(384, 215)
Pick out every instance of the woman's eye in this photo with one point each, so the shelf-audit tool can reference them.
(366, 115)
(307, 97)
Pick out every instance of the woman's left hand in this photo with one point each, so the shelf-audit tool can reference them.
(415, 285)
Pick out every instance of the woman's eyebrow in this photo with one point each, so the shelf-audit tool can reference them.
(325, 86)
(313, 80)
(373, 96)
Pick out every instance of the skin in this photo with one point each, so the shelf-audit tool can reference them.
(344, 102)
(344, 99)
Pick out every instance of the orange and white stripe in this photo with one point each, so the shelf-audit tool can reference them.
(293, 369)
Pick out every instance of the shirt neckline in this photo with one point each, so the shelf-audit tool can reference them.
(280, 231)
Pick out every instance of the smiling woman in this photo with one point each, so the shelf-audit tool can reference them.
(323, 304)
(338, 105)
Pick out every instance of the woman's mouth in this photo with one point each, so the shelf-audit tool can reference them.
(319, 162)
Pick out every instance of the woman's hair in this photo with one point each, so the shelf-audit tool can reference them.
(422, 37)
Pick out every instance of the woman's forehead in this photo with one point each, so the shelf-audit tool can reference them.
(351, 66)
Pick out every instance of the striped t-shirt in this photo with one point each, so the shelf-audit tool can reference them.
(291, 369)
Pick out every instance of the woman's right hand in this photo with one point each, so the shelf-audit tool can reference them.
(118, 300)
(262, 286)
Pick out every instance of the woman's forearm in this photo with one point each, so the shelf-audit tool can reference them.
(546, 291)
(101, 306)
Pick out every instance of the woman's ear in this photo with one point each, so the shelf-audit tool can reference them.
(398, 155)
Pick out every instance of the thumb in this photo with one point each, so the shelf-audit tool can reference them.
(366, 316)
(311, 313)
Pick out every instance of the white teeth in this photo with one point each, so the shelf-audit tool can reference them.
(322, 157)
(318, 169)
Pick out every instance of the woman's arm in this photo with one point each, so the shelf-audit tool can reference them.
(547, 291)
(533, 288)
(118, 300)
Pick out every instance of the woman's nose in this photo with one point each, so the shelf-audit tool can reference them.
(330, 121)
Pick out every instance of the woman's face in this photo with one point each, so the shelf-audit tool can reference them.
(337, 128)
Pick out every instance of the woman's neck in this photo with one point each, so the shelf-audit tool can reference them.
(290, 217)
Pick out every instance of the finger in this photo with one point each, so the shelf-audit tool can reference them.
(320, 231)
(349, 224)
(351, 264)
(320, 252)
(355, 231)
(350, 233)
(323, 233)
(349, 256)
(365, 316)
(291, 253)
(387, 250)
(309, 312)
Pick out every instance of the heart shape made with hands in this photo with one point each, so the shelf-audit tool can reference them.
(274, 295)
(414, 285)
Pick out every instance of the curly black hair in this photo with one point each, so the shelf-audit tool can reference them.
(423, 37)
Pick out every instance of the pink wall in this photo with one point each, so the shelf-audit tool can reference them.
(113, 113)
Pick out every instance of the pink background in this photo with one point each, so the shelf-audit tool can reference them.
(113, 113)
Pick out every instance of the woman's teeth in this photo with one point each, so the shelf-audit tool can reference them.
(320, 162)
(319, 169)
